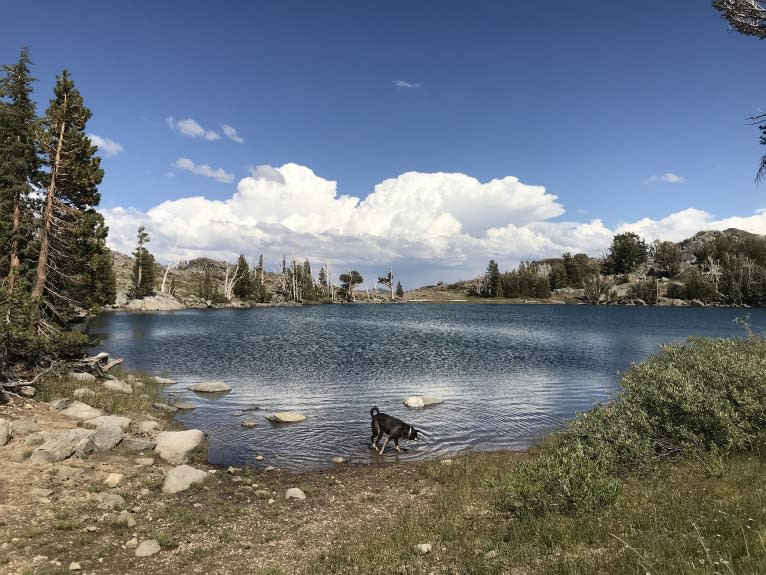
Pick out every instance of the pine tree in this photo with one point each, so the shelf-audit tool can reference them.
(143, 267)
(19, 172)
(72, 190)
(399, 290)
(243, 286)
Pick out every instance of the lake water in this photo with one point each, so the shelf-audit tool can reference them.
(507, 373)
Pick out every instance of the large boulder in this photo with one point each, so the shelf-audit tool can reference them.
(181, 478)
(286, 417)
(22, 427)
(210, 387)
(62, 445)
(176, 446)
(118, 421)
(104, 439)
(76, 409)
(422, 401)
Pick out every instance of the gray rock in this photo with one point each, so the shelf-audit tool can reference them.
(126, 518)
(181, 478)
(286, 417)
(145, 461)
(295, 493)
(132, 543)
(76, 409)
(37, 438)
(157, 302)
(118, 386)
(22, 427)
(27, 391)
(147, 427)
(104, 439)
(109, 501)
(249, 423)
(165, 407)
(135, 444)
(118, 421)
(163, 380)
(75, 566)
(175, 446)
(81, 376)
(113, 479)
(83, 393)
(422, 401)
(338, 459)
(210, 387)
(147, 548)
(5, 431)
(61, 445)
(185, 406)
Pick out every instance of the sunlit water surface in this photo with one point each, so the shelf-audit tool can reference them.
(507, 373)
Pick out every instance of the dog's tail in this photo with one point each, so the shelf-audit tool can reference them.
(374, 411)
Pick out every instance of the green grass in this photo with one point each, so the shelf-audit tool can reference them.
(664, 479)
(138, 402)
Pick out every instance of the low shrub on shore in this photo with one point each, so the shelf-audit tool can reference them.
(705, 397)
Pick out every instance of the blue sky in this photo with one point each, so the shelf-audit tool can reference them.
(425, 135)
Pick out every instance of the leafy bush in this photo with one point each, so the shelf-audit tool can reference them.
(706, 396)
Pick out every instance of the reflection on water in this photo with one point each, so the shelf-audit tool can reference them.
(507, 373)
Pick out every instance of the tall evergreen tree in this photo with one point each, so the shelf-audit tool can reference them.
(492, 280)
(399, 290)
(143, 267)
(19, 171)
(243, 288)
(72, 180)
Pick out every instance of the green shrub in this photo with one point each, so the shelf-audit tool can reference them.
(708, 396)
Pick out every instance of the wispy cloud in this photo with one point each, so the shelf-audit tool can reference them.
(666, 178)
(190, 127)
(106, 146)
(268, 173)
(232, 134)
(405, 84)
(204, 170)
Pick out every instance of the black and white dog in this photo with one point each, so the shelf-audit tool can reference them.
(394, 429)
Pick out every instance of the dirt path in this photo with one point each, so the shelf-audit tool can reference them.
(241, 522)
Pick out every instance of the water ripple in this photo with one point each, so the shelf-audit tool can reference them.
(507, 374)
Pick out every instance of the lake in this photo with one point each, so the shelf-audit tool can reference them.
(507, 373)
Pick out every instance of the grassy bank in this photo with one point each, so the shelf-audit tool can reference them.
(666, 478)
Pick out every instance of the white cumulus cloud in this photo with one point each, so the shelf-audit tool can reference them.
(190, 127)
(430, 226)
(106, 146)
(204, 170)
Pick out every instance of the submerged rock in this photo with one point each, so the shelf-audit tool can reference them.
(422, 401)
(210, 387)
(286, 417)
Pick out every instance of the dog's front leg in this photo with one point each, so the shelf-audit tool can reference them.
(383, 448)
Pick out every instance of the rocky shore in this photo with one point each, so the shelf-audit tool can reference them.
(86, 490)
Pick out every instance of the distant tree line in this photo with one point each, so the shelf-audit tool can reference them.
(731, 269)
(54, 264)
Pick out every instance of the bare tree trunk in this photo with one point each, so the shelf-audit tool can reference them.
(45, 240)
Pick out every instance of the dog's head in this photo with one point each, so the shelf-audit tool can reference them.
(412, 434)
